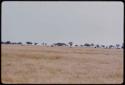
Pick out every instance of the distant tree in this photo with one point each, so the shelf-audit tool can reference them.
(97, 46)
(117, 45)
(29, 43)
(20, 43)
(81, 45)
(52, 45)
(59, 44)
(103, 46)
(35, 43)
(7, 42)
(76, 45)
(87, 44)
(111, 46)
(106, 47)
(70, 43)
(92, 44)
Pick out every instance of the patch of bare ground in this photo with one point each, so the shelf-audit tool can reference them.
(37, 64)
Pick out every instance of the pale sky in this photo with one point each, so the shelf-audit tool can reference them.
(63, 21)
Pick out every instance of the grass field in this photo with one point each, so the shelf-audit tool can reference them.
(39, 64)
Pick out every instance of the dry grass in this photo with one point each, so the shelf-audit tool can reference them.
(37, 64)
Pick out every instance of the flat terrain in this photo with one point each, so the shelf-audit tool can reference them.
(38, 64)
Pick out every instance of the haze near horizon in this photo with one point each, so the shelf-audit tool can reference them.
(50, 22)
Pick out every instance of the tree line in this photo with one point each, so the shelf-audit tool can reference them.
(70, 44)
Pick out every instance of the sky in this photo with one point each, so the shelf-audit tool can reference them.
(64, 21)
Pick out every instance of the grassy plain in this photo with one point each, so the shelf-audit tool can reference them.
(38, 64)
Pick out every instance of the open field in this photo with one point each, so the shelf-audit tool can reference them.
(38, 64)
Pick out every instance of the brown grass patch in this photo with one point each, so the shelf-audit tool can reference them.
(37, 64)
